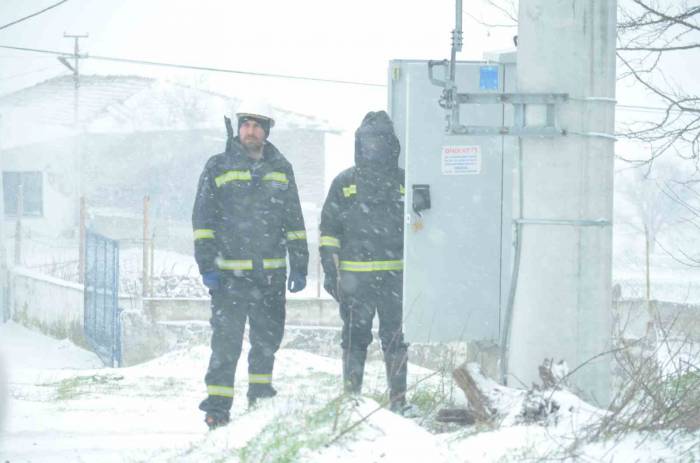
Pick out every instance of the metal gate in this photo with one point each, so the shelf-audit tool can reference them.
(4, 293)
(101, 293)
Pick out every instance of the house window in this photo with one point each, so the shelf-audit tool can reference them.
(30, 184)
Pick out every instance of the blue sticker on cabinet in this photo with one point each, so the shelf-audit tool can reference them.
(488, 78)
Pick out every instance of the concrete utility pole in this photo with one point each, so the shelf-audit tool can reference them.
(563, 303)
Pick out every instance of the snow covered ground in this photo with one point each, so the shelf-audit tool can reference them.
(63, 406)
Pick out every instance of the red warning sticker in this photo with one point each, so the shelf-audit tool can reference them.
(461, 160)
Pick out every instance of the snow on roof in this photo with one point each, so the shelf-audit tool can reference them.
(52, 102)
(117, 103)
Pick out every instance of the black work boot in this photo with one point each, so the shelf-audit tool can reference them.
(397, 406)
(353, 370)
(260, 391)
(216, 419)
(216, 409)
(396, 372)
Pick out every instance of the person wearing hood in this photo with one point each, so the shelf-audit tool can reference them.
(361, 249)
(246, 219)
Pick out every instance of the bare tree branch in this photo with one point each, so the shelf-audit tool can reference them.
(680, 19)
(661, 49)
(634, 23)
(485, 24)
(511, 14)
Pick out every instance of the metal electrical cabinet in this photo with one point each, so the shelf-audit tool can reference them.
(458, 252)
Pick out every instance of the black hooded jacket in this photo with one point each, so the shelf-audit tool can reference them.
(247, 214)
(362, 217)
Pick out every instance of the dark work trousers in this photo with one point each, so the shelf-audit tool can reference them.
(260, 299)
(361, 295)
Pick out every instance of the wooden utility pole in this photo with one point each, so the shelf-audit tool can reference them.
(151, 260)
(18, 224)
(647, 251)
(81, 240)
(146, 253)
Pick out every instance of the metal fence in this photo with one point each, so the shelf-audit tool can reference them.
(102, 328)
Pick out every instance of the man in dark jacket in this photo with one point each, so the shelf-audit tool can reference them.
(246, 217)
(362, 254)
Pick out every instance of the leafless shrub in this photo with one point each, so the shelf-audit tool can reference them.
(660, 391)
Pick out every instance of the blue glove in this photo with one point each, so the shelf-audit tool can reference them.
(296, 282)
(211, 279)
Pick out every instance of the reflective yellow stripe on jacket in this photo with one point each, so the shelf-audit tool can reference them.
(232, 176)
(296, 235)
(371, 266)
(280, 177)
(352, 190)
(229, 264)
(259, 379)
(203, 233)
(222, 391)
(247, 264)
(349, 190)
(270, 264)
(330, 241)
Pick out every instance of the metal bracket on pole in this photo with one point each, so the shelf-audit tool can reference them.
(451, 99)
(431, 72)
(520, 101)
(565, 222)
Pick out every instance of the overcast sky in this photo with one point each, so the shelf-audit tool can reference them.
(317, 38)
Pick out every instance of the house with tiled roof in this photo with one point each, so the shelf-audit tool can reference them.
(120, 138)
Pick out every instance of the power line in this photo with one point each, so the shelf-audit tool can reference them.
(12, 76)
(37, 50)
(235, 71)
(23, 57)
(200, 68)
(260, 74)
(33, 14)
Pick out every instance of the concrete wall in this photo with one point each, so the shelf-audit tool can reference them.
(142, 339)
(313, 312)
(53, 306)
(149, 327)
(633, 319)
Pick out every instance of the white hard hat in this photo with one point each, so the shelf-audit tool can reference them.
(256, 108)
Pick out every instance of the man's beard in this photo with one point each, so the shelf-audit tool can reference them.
(253, 144)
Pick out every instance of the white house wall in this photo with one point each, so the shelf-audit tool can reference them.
(59, 187)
